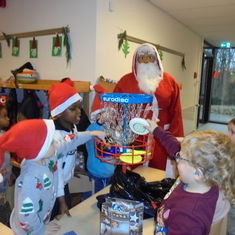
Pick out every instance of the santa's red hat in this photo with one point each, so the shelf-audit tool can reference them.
(29, 139)
(61, 96)
(96, 105)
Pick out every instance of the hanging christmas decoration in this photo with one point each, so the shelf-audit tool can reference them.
(56, 45)
(15, 47)
(123, 43)
(67, 44)
(7, 38)
(125, 48)
(183, 64)
(159, 52)
(33, 48)
(122, 38)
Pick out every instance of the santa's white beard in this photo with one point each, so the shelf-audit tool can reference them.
(148, 77)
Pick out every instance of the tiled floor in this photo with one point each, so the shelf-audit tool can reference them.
(214, 126)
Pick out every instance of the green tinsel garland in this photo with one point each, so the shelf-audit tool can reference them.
(67, 45)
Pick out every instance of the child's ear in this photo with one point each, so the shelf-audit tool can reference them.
(198, 174)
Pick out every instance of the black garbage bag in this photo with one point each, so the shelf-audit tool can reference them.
(132, 186)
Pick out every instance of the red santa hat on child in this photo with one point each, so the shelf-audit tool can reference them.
(67, 80)
(96, 105)
(61, 96)
(29, 139)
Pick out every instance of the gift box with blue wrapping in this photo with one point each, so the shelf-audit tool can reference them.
(121, 216)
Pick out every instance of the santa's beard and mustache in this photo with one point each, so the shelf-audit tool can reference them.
(148, 77)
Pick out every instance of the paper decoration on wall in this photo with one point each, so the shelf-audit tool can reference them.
(123, 43)
(15, 47)
(33, 48)
(7, 38)
(0, 50)
(56, 45)
(125, 48)
(160, 54)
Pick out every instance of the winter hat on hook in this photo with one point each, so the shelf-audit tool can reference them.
(29, 139)
(61, 96)
(96, 105)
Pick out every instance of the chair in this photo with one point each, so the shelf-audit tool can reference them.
(220, 227)
(81, 183)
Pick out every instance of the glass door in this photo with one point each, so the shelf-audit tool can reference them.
(222, 104)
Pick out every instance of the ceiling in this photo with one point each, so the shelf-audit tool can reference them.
(212, 19)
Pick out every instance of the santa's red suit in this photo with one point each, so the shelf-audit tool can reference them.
(168, 109)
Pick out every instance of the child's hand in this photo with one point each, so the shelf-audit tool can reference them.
(152, 125)
(51, 228)
(63, 208)
(100, 134)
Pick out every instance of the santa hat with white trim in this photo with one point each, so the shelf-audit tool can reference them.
(29, 139)
(96, 105)
(61, 96)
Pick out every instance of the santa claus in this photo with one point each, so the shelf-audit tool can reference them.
(147, 77)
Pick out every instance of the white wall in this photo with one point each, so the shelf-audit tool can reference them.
(26, 15)
(143, 20)
(94, 31)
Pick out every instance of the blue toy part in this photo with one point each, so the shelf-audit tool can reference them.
(126, 98)
(113, 150)
(70, 233)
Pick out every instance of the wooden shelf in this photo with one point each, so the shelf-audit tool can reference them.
(80, 86)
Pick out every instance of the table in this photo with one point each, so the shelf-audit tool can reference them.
(4, 230)
(86, 215)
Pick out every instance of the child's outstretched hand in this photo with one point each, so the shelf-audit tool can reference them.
(152, 125)
(100, 134)
(51, 228)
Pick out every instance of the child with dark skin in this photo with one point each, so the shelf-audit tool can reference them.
(5, 171)
(65, 103)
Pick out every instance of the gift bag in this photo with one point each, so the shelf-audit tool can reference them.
(121, 216)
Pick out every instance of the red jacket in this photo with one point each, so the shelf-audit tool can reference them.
(170, 113)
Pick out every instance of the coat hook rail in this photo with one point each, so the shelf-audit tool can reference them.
(140, 41)
(36, 33)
